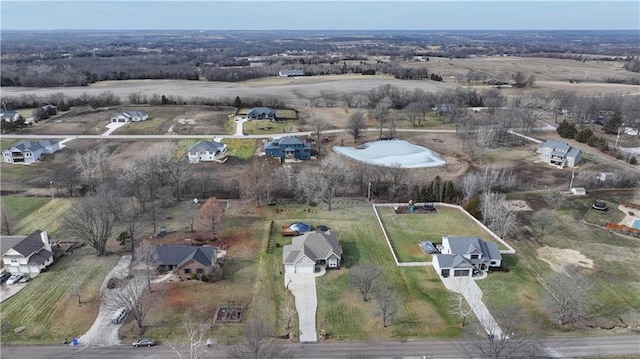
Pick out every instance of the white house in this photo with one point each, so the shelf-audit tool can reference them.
(311, 252)
(462, 256)
(27, 152)
(559, 154)
(290, 73)
(28, 255)
(206, 151)
(129, 116)
(10, 116)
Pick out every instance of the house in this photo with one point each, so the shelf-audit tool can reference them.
(27, 255)
(462, 256)
(129, 116)
(206, 151)
(186, 260)
(443, 108)
(559, 154)
(311, 252)
(49, 109)
(29, 151)
(290, 73)
(288, 148)
(262, 113)
(10, 116)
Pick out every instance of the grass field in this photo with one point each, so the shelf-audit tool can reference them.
(38, 213)
(240, 148)
(405, 231)
(262, 127)
(45, 307)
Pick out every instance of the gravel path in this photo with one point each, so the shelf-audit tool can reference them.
(103, 332)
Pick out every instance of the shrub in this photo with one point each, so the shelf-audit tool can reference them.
(584, 135)
(567, 130)
(633, 161)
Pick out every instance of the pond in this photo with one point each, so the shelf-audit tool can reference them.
(391, 153)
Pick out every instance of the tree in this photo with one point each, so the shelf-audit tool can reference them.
(515, 338)
(387, 303)
(92, 222)
(613, 125)
(356, 125)
(67, 178)
(258, 343)
(496, 214)
(543, 219)
(133, 296)
(381, 112)
(76, 285)
(195, 329)
(190, 214)
(418, 111)
(319, 124)
(568, 296)
(210, 215)
(146, 253)
(566, 129)
(364, 277)
(9, 221)
(92, 166)
(321, 183)
(256, 183)
(174, 164)
(459, 307)
(584, 135)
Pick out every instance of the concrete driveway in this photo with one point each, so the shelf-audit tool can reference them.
(303, 288)
(473, 294)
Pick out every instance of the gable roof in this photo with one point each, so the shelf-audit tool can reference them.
(7, 242)
(26, 146)
(555, 145)
(204, 146)
(30, 245)
(453, 261)
(276, 143)
(9, 115)
(261, 111)
(178, 254)
(314, 245)
(468, 245)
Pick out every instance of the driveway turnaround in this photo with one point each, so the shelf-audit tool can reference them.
(473, 294)
(303, 288)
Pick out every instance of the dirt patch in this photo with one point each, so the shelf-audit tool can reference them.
(558, 257)
(517, 205)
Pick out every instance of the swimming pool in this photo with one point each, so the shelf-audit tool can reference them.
(636, 224)
(393, 153)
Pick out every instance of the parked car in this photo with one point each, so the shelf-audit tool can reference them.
(14, 278)
(4, 276)
(144, 342)
(119, 315)
(24, 279)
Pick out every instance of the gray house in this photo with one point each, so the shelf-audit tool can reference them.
(206, 151)
(311, 252)
(559, 154)
(129, 116)
(290, 73)
(262, 113)
(27, 255)
(462, 256)
(10, 116)
(29, 151)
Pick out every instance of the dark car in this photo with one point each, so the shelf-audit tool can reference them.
(4, 276)
(144, 342)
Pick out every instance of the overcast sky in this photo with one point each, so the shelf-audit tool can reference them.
(321, 15)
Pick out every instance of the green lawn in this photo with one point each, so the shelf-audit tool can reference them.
(406, 230)
(262, 127)
(240, 148)
(34, 213)
(45, 307)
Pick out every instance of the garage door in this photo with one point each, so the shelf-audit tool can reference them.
(304, 269)
(461, 273)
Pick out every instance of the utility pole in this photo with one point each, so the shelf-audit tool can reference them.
(52, 195)
(572, 176)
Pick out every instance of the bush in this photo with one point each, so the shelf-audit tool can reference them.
(584, 135)
(567, 130)
(193, 276)
(633, 161)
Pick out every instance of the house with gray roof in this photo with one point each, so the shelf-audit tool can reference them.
(129, 116)
(26, 255)
(290, 73)
(262, 113)
(311, 252)
(27, 152)
(10, 116)
(206, 151)
(186, 260)
(288, 148)
(464, 256)
(559, 154)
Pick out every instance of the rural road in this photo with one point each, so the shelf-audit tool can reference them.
(555, 348)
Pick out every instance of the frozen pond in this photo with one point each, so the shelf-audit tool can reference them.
(392, 153)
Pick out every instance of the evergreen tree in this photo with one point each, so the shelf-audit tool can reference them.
(584, 135)
(613, 124)
(567, 130)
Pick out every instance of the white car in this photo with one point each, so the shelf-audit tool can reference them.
(14, 278)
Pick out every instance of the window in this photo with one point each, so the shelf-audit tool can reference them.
(475, 256)
(199, 271)
(187, 271)
(13, 260)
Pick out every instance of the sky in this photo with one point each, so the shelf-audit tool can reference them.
(320, 15)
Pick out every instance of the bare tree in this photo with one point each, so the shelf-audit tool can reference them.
(319, 124)
(485, 137)
(381, 112)
(9, 221)
(496, 213)
(321, 183)
(67, 178)
(518, 341)
(356, 125)
(257, 180)
(76, 285)
(569, 295)
(258, 343)
(133, 296)
(418, 111)
(364, 277)
(459, 307)
(543, 219)
(92, 222)
(146, 253)
(210, 215)
(289, 310)
(388, 304)
(195, 331)
(175, 165)
(92, 166)
(190, 214)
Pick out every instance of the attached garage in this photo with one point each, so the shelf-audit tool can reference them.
(461, 273)
(304, 265)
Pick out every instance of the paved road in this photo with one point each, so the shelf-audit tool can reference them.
(557, 348)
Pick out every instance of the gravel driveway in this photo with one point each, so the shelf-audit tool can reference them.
(103, 332)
